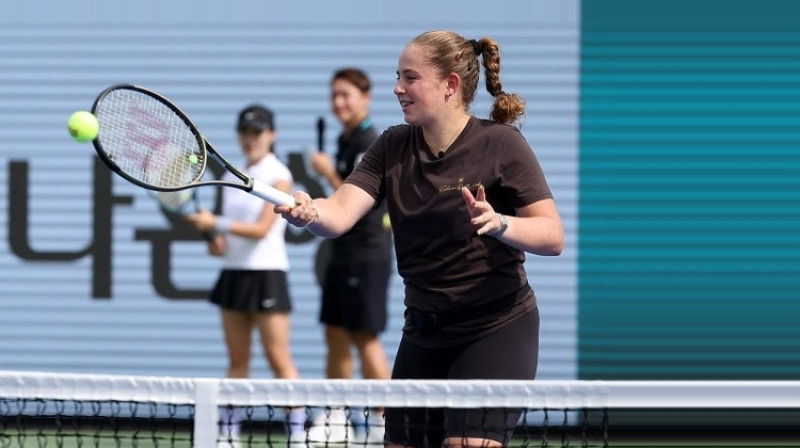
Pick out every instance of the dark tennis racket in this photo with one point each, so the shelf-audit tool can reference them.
(182, 203)
(150, 142)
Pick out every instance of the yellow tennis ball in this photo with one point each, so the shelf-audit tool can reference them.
(83, 126)
(193, 159)
(387, 222)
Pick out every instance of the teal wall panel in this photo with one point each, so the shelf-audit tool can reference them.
(689, 198)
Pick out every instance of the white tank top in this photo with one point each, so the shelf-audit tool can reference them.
(268, 253)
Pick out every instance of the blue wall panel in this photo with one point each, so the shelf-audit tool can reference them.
(96, 307)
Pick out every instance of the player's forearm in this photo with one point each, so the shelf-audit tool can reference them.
(340, 212)
(538, 235)
(332, 219)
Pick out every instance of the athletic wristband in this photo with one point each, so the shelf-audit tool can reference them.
(222, 225)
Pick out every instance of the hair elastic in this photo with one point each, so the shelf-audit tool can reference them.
(476, 46)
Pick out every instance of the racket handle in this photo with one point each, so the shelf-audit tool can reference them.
(271, 194)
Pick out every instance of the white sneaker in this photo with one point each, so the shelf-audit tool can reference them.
(375, 436)
(376, 429)
(228, 444)
(297, 438)
(330, 427)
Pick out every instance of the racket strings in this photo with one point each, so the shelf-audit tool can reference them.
(148, 141)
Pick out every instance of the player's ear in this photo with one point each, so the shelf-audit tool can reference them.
(453, 83)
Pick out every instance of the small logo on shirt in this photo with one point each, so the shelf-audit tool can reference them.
(269, 302)
(461, 184)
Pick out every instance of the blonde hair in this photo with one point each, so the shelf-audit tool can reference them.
(450, 52)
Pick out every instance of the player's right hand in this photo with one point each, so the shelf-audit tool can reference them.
(302, 213)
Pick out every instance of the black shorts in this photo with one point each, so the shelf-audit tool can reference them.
(354, 296)
(252, 291)
(512, 352)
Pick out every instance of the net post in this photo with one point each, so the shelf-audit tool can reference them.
(206, 412)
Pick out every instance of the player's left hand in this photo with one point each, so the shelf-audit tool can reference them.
(484, 218)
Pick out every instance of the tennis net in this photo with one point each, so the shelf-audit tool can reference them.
(40, 409)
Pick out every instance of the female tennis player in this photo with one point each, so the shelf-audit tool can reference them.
(467, 199)
(252, 290)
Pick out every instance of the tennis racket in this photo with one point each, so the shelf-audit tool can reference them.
(149, 141)
(182, 203)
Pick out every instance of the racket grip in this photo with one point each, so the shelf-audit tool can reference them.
(271, 194)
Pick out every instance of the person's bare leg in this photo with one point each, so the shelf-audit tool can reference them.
(339, 358)
(274, 328)
(374, 363)
(470, 442)
(461, 442)
(237, 328)
(338, 365)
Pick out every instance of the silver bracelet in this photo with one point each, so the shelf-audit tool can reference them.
(503, 225)
(316, 209)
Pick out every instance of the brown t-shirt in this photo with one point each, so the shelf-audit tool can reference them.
(446, 267)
